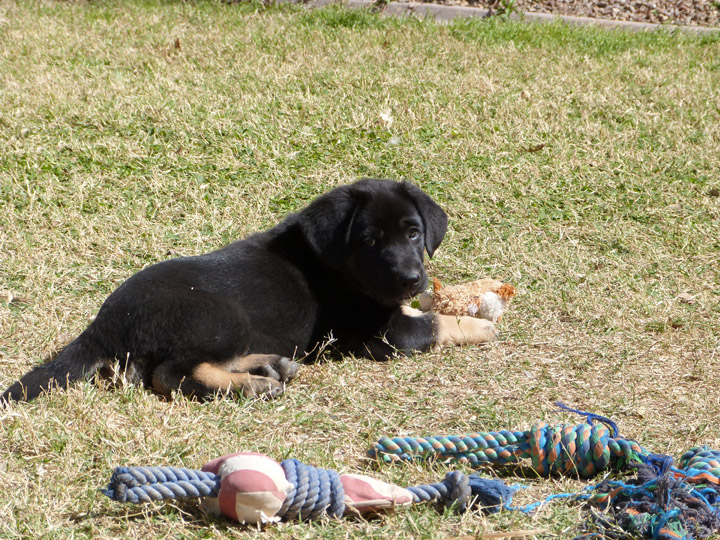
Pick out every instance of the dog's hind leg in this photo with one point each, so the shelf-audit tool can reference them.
(208, 379)
(276, 367)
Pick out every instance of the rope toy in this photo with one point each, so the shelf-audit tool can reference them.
(253, 488)
(582, 450)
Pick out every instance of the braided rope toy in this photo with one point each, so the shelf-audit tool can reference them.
(582, 450)
(253, 488)
(576, 450)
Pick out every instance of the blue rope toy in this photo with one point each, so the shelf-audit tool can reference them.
(252, 488)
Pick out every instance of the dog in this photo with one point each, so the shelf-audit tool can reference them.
(231, 321)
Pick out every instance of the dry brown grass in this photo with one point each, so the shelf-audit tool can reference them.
(120, 149)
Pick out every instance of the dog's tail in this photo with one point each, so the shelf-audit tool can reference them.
(79, 360)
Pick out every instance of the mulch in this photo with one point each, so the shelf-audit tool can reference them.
(677, 12)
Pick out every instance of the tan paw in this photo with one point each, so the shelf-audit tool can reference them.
(453, 330)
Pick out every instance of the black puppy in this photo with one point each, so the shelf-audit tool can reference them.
(231, 319)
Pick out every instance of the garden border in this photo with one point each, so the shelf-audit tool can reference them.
(442, 13)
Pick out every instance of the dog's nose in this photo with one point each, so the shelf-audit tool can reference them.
(409, 281)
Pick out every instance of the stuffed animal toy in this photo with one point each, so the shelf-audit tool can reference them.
(482, 299)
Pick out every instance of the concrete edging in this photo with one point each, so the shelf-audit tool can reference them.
(448, 13)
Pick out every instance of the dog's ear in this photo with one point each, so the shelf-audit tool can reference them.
(326, 224)
(434, 218)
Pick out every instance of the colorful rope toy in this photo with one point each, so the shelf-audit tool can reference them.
(581, 450)
(253, 488)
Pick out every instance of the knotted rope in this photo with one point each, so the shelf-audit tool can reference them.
(464, 491)
(662, 502)
(583, 450)
(315, 492)
(145, 484)
(701, 462)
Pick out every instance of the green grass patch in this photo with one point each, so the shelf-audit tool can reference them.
(578, 164)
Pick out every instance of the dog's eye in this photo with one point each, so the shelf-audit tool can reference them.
(369, 241)
(413, 233)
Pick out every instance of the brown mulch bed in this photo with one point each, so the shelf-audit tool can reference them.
(680, 12)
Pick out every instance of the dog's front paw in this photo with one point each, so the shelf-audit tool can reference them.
(453, 330)
(477, 330)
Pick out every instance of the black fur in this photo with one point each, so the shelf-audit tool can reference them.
(340, 268)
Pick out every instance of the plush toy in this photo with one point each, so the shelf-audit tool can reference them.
(254, 488)
(483, 299)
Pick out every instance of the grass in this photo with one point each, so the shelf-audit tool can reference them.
(578, 164)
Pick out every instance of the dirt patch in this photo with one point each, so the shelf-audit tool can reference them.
(680, 12)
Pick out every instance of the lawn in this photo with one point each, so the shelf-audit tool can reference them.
(580, 165)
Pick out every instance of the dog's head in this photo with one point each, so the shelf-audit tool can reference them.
(374, 233)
